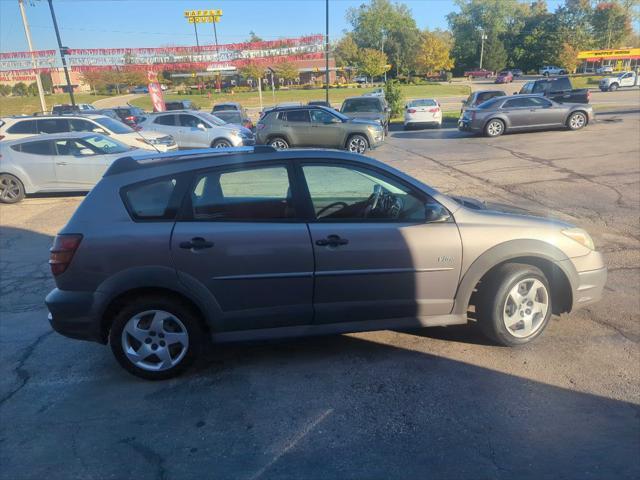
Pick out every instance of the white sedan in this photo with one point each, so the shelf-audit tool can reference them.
(423, 111)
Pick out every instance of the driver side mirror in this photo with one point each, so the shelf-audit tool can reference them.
(435, 213)
(201, 126)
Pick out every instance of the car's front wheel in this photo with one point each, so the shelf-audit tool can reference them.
(576, 121)
(357, 144)
(222, 143)
(279, 143)
(613, 87)
(156, 337)
(494, 128)
(514, 304)
(11, 189)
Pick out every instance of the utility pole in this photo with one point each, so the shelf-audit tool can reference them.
(27, 32)
(326, 52)
(63, 52)
(382, 50)
(195, 29)
(483, 38)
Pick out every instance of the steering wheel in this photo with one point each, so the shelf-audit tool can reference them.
(330, 206)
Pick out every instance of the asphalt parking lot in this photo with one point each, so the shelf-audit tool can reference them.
(438, 402)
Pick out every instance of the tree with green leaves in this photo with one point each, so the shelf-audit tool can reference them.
(253, 37)
(386, 26)
(494, 18)
(252, 70)
(287, 71)
(611, 25)
(5, 90)
(19, 89)
(434, 54)
(372, 63)
(393, 96)
(346, 54)
(495, 55)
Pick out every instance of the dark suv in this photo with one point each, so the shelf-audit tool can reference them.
(171, 250)
(317, 126)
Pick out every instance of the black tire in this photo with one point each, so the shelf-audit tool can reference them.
(279, 143)
(181, 310)
(613, 87)
(562, 72)
(492, 299)
(221, 143)
(546, 74)
(577, 120)
(361, 141)
(491, 131)
(11, 189)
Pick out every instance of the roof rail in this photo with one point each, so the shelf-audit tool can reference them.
(130, 163)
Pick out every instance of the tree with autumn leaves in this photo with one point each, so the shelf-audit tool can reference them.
(434, 54)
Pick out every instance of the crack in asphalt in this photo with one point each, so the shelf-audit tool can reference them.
(568, 171)
(148, 454)
(23, 375)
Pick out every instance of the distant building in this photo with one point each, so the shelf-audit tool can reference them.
(620, 59)
(60, 82)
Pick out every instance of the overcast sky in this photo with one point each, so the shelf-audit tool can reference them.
(149, 23)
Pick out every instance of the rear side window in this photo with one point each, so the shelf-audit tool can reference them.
(53, 125)
(561, 83)
(252, 194)
(35, 148)
(153, 200)
(26, 126)
(79, 125)
(165, 120)
(298, 116)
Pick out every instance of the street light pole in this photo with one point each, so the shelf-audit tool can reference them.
(63, 52)
(27, 32)
(483, 38)
(326, 52)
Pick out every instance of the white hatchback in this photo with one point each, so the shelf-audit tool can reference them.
(14, 128)
(423, 111)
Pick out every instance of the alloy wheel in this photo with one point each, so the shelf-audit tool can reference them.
(10, 189)
(525, 307)
(155, 340)
(495, 128)
(577, 121)
(357, 144)
(279, 144)
(222, 144)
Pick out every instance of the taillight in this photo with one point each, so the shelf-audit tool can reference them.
(434, 110)
(411, 110)
(588, 98)
(1, 137)
(62, 251)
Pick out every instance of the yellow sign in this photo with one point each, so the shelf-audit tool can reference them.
(203, 16)
(619, 53)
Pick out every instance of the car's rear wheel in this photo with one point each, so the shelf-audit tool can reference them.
(514, 304)
(494, 128)
(576, 121)
(222, 143)
(156, 337)
(11, 189)
(357, 144)
(279, 143)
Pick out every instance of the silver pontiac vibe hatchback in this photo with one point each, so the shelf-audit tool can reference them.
(171, 251)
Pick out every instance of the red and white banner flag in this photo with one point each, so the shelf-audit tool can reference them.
(156, 92)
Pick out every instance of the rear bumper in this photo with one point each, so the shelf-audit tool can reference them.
(467, 126)
(74, 314)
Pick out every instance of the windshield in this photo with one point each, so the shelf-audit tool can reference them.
(114, 125)
(106, 145)
(229, 116)
(355, 105)
(427, 102)
(212, 118)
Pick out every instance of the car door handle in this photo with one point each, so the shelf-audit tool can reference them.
(62, 163)
(332, 241)
(196, 243)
